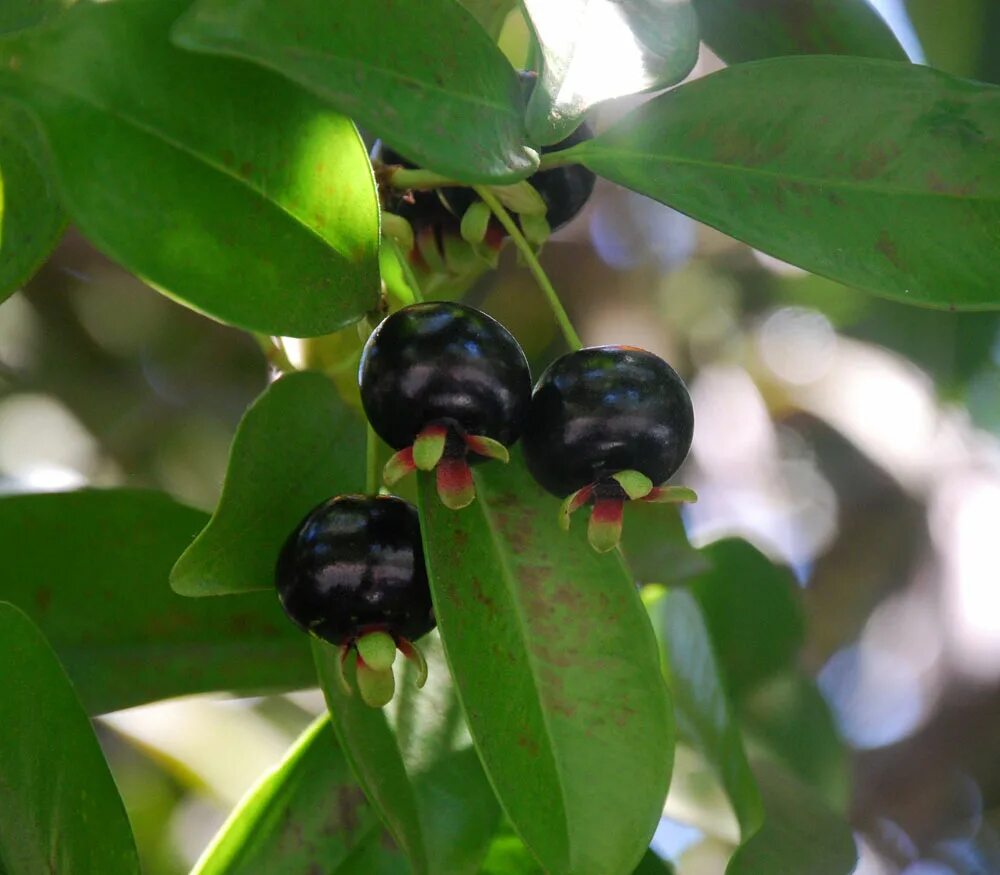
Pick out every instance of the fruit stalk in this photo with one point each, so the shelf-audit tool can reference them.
(510, 226)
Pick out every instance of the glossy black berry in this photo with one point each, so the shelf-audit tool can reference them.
(600, 411)
(355, 565)
(440, 361)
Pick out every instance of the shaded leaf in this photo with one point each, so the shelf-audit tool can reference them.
(306, 815)
(753, 612)
(447, 100)
(91, 569)
(656, 547)
(415, 761)
(557, 669)
(31, 218)
(596, 50)
(704, 718)
(491, 14)
(297, 445)
(900, 195)
(748, 30)
(800, 834)
(59, 808)
(788, 718)
(21, 14)
(224, 186)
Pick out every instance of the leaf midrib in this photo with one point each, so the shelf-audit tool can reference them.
(130, 121)
(816, 182)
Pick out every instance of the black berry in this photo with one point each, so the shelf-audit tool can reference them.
(608, 424)
(353, 573)
(439, 380)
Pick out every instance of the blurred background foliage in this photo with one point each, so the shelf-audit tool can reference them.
(853, 439)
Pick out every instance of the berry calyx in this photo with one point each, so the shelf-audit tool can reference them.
(352, 573)
(446, 386)
(608, 425)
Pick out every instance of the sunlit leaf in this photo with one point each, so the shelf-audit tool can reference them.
(222, 185)
(298, 445)
(898, 194)
(423, 76)
(595, 50)
(557, 669)
(60, 811)
(91, 569)
(491, 14)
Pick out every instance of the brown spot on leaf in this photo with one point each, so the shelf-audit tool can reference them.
(887, 248)
(43, 598)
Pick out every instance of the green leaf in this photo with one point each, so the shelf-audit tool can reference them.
(298, 444)
(22, 14)
(416, 763)
(491, 14)
(31, 218)
(788, 718)
(656, 547)
(703, 714)
(91, 569)
(800, 834)
(557, 669)
(741, 30)
(753, 613)
(221, 184)
(306, 815)
(424, 76)
(59, 808)
(898, 194)
(610, 49)
(509, 856)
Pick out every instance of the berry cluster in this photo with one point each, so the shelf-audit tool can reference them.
(447, 387)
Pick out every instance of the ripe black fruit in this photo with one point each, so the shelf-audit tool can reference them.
(439, 380)
(353, 571)
(608, 424)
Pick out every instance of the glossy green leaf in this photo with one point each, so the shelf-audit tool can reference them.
(306, 815)
(91, 569)
(219, 183)
(753, 613)
(656, 547)
(21, 14)
(704, 718)
(898, 194)
(748, 30)
(596, 50)
(60, 811)
(557, 669)
(800, 834)
(416, 763)
(424, 76)
(31, 218)
(297, 445)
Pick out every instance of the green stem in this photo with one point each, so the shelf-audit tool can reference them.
(572, 338)
(371, 462)
(559, 159)
(408, 274)
(406, 178)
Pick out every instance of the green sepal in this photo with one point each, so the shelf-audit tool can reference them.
(377, 650)
(635, 483)
(428, 448)
(475, 222)
(376, 687)
(521, 198)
